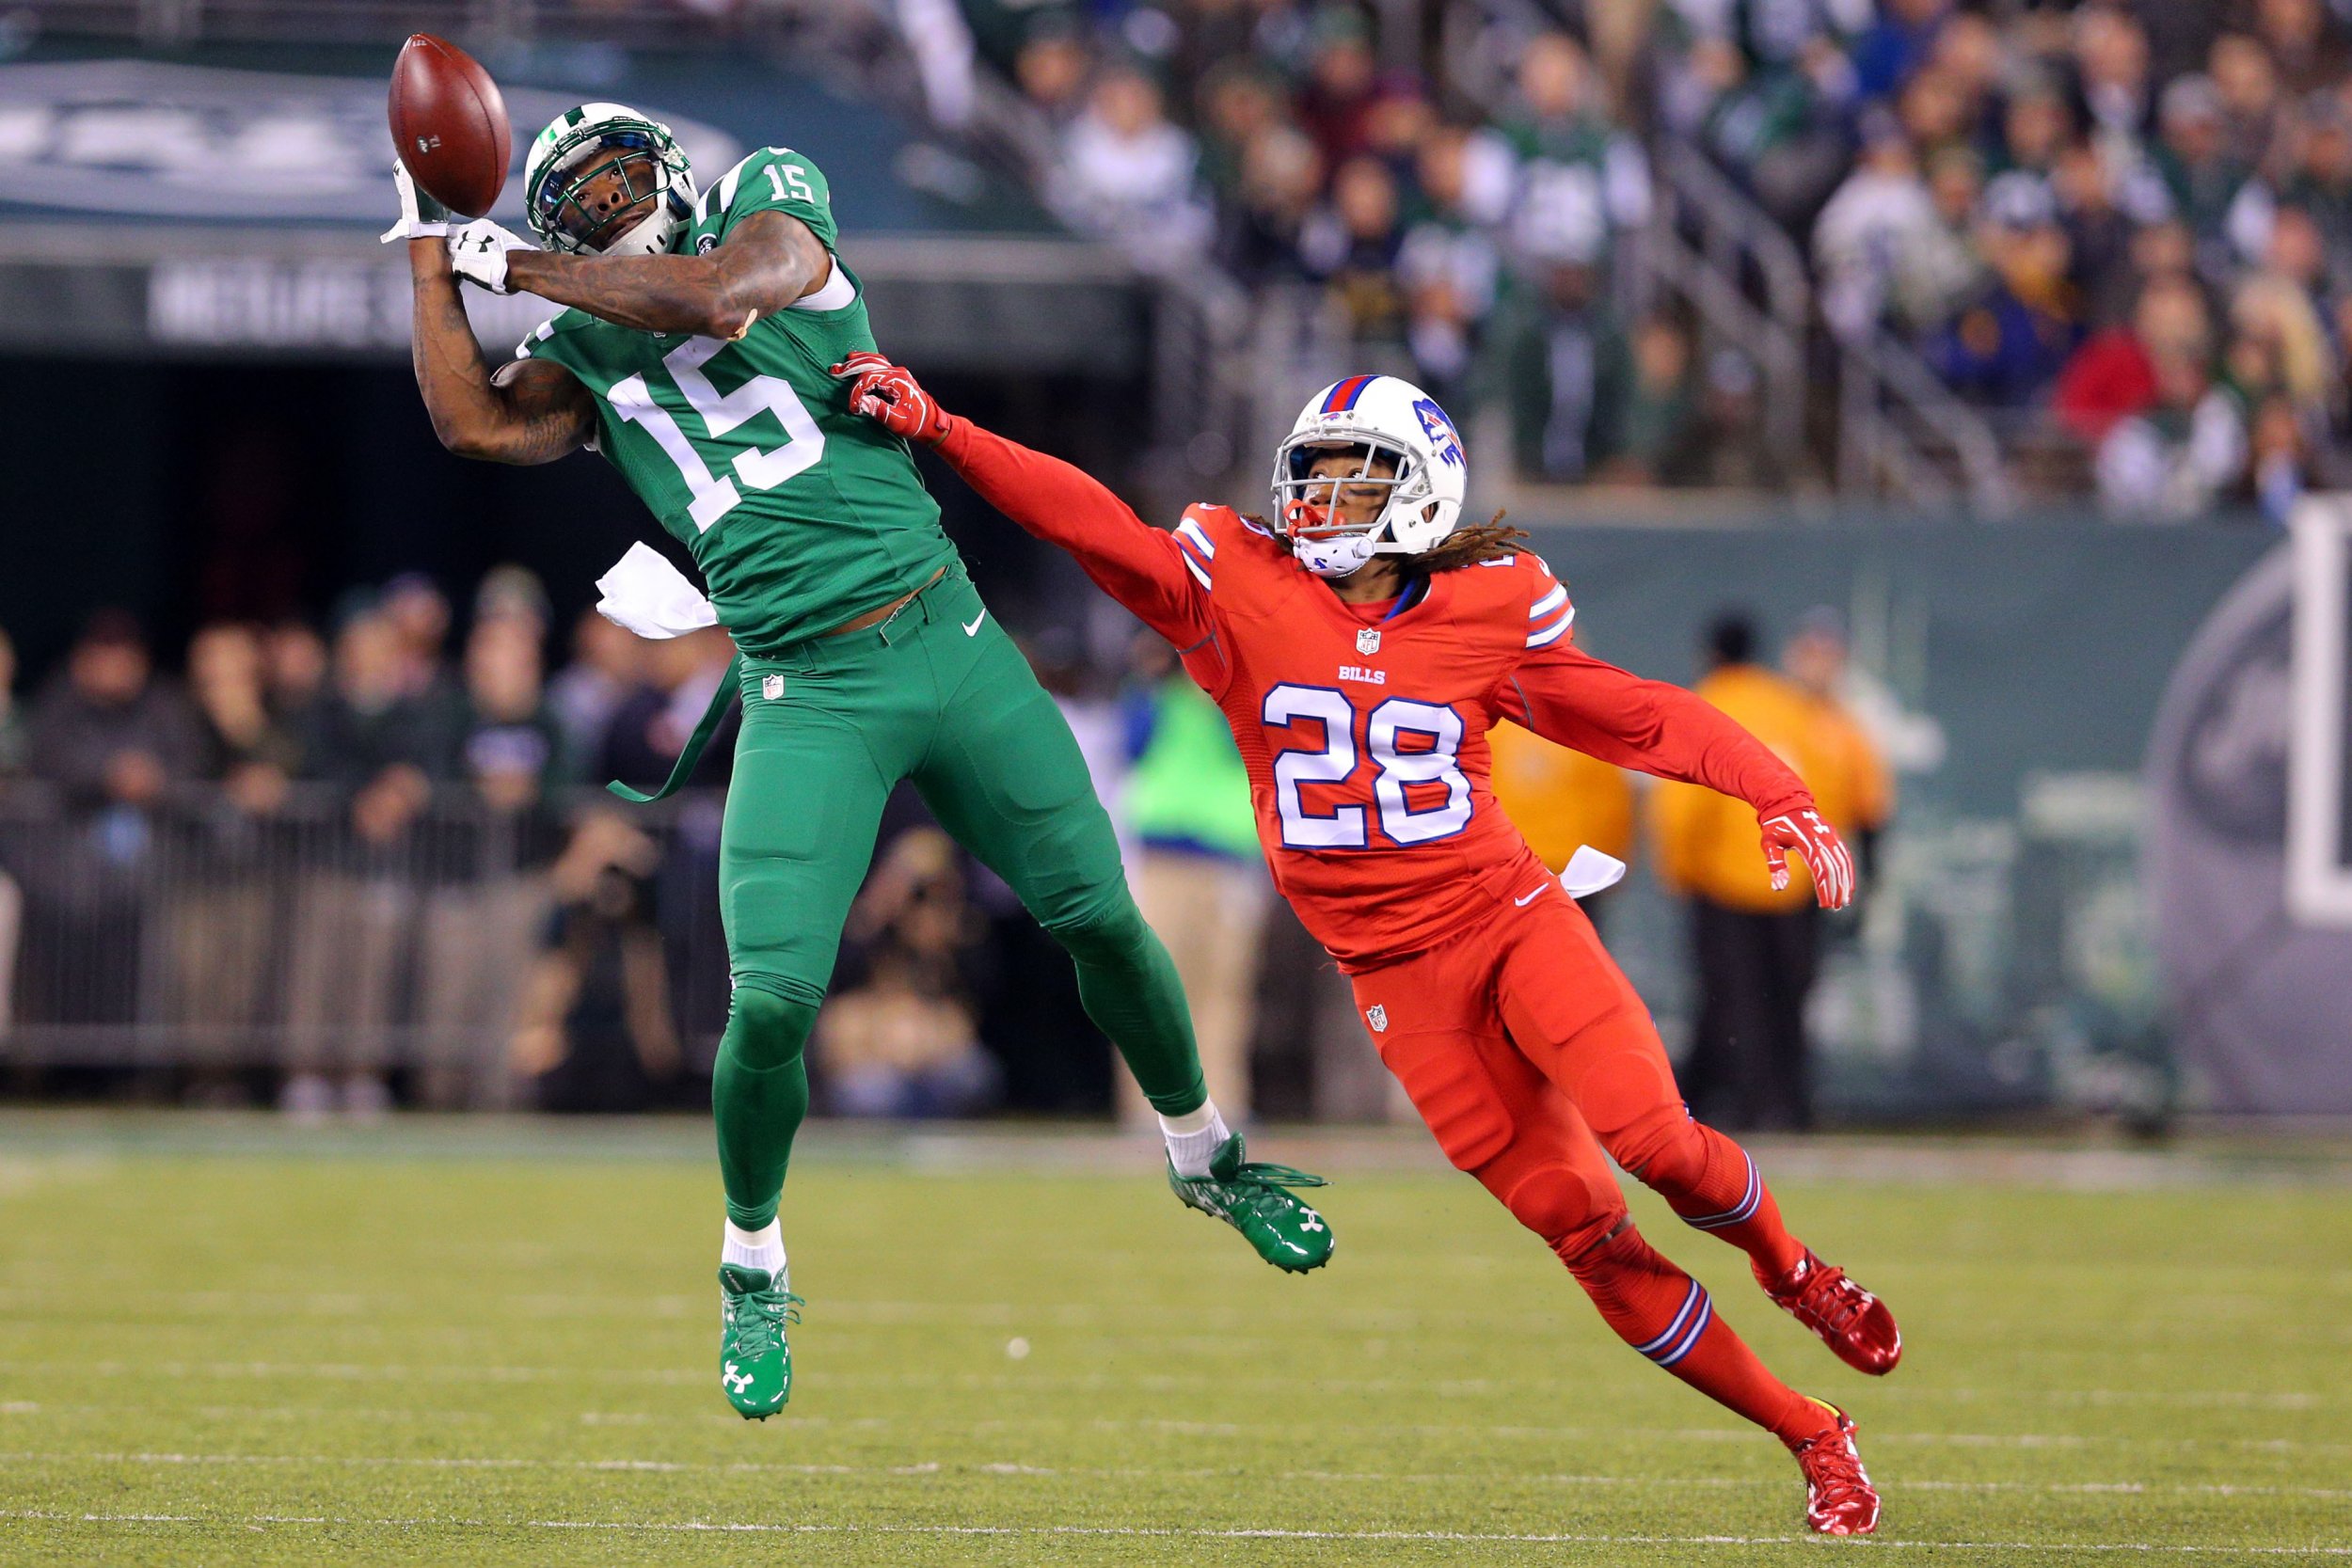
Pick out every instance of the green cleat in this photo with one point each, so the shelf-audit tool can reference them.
(1252, 1198)
(754, 1363)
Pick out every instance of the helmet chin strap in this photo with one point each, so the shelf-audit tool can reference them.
(1339, 556)
(649, 237)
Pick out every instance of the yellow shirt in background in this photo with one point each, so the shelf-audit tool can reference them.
(1857, 788)
(1561, 798)
(1708, 843)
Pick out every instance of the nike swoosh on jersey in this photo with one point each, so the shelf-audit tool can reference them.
(974, 629)
(1522, 903)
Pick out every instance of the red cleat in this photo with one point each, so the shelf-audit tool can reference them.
(1838, 1497)
(1849, 1320)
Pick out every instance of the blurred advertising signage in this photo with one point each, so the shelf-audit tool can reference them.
(2319, 751)
(261, 302)
(150, 139)
(246, 303)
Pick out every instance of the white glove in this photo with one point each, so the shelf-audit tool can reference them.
(420, 216)
(477, 252)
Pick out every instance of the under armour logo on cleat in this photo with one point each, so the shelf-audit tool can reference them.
(740, 1382)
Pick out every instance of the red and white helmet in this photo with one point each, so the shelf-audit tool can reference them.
(1373, 416)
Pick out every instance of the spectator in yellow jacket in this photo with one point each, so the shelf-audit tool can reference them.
(1861, 786)
(1757, 949)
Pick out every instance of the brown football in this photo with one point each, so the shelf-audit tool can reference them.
(450, 125)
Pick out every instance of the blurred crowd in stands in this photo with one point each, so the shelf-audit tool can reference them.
(354, 844)
(344, 870)
(2123, 226)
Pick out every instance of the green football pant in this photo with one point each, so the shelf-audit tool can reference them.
(940, 695)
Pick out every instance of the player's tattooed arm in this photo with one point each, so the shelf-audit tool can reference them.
(523, 413)
(769, 260)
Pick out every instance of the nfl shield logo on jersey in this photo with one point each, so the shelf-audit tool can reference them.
(772, 688)
(1368, 641)
(1377, 1015)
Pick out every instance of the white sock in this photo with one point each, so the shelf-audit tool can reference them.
(1194, 1138)
(756, 1250)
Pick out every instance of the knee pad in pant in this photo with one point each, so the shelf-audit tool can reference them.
(1663, 1148)
(766, 1029)
(1101, 933)
(1562, 1205)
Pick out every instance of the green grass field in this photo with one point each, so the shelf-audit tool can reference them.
(222, 1342)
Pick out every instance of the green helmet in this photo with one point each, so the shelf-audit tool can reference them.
(582, 145)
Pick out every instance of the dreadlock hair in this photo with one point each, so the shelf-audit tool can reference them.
(1467, 546)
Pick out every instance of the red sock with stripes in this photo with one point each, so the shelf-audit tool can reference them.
(1666, 1315)
(1725, 1195)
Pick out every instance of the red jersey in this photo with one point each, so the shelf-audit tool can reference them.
(1366, 740)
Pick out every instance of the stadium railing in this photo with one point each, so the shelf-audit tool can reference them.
(1895, 432)
(201, 935)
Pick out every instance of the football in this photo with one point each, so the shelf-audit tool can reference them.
(450, 125)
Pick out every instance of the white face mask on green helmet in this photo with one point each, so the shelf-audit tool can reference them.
(602, 180)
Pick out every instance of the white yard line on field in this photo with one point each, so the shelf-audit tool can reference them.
(351, 1371)
(2187, 1284)
(1156, 1532)
(21, 1174)
(2176, 1316)
(698, 1417)
(1440, 1387)
(1545, 1433)
(936, 1467)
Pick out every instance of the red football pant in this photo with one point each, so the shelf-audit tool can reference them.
(1528, 1052)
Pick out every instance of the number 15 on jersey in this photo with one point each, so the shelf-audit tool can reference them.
(712, 496)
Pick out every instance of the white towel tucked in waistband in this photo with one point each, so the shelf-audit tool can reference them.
(645, 593)
(1589, 871)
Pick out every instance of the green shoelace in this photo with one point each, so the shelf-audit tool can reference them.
(1261, 1185)
(768, 1312)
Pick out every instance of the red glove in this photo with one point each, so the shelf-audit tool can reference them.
(889, 395)
(1818, 844)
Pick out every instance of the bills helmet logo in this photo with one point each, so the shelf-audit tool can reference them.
(1377, 1015)
(1434, 424)
(1368, 641)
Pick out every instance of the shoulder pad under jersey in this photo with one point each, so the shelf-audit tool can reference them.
(1210, 534)
(1522, 585)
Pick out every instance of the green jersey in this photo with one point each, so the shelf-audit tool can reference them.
(800, 513)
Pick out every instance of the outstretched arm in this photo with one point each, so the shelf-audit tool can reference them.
(769, 260)
(1567, 695)
(1139, 566)
(525, 413)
